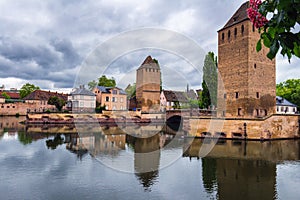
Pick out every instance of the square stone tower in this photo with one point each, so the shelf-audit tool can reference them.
(248, 78)
(148, 78)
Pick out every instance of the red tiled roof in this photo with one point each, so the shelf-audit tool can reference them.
(13, 95)
(44, 95)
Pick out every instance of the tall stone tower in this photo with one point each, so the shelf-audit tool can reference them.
(249, 77)
(148, 85)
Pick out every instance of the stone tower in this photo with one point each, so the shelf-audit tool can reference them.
(148, 85)
(249, 80)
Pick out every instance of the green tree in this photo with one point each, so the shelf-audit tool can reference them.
(281, 29)
(107, 82)
(27, 89)
(290, 90)
(210, 81)
(131, 90)
(5, 95)
(92, 84)
(57, 102)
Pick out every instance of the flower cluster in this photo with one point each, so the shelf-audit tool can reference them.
(255, 16)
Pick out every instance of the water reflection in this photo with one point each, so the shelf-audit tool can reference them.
(232, 170)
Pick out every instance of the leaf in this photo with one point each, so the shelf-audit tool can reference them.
(273, 49)
(258, 45)
(266, 38)
(296, 50)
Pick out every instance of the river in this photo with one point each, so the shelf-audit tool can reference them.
(140, 162)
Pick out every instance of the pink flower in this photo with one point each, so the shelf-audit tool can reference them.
(255, 16)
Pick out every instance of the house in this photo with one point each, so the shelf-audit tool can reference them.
(81, 100)
(113, 98)
(283, 106)
(40, 99)
(170, 100)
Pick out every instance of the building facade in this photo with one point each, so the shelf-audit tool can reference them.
(247, 79)
(148, 80)
(81, 100)
(113, 98)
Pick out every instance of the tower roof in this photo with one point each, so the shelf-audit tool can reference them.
(239, 16)
(149, 62)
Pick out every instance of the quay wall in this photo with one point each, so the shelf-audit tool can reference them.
(273, 127)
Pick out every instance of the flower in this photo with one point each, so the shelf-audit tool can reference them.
(254, 15)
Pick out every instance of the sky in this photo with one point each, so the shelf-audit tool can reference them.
(51, 43)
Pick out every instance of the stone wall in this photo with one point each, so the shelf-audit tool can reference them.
(7, 109)
(274, 127)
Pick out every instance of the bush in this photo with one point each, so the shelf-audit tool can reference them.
(48, 111)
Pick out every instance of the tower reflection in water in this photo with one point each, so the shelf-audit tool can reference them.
(239, 169)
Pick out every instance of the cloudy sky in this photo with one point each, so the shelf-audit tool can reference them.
(50, 43)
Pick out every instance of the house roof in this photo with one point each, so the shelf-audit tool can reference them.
(44, 95)
(149, 62)
(239, 16)
(82, 91)
(283, 102)
(108, 89)
(13, 95)
(173, 96)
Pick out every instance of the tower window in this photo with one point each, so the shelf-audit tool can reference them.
(223, 36)
(255, 66)
(240, 113)
(225, 96)
(257, 95)
(253, 28)
(237, 95)
(235, 32)
(228, 34)
(242, 29)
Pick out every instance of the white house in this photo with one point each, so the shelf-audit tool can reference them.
(283, 106)
(81, 100)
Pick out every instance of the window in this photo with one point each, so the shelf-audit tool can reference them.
(225, 96)
(237, 95)
(235, 32)
(115, 92)
(81, 97)
(257, 95)
(81, 104)
(242, 29)
(114, 107)
(240, 112)
(121, 107)
(113, 99)
(255, 66)
(228, 34)
(253, 28)
(92, 105)
(223, 36)
(223, 113)
(106, 107)
(121, 99)
(282, 109)
(7, 107)
(107, 99)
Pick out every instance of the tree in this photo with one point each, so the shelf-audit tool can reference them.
(281, 29)
(290, 90)
(27, 89)
(106, 82)
(210, 80)
(131, 90)
(92, 84)
(57, 102)
(5, 95)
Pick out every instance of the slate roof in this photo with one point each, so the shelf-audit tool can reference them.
(174, 96)
(82, 91)
(283, 102)
(44, 95)
(239, 16)
(149, 62)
